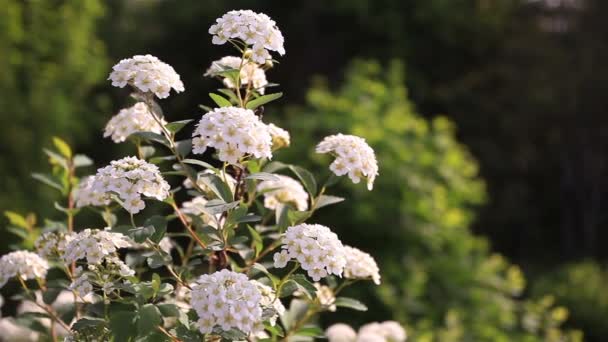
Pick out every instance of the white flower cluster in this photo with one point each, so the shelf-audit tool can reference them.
(360, 265)
(196, 207)
(148, 74)
(229, 300)
(23, 264)
(268, 301)
(94, 245)
(136, 118)
(326, 297)
(53, 244)
(234, 133)
(86, 195)
(280, 137)
(315, 247)
(285, 190)
(388, 331)
(130, 178)
(81, 285)
(254, 29)
(353, 157)
(251, 74)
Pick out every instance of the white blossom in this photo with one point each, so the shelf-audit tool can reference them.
(81, 286)
(136, 118)
(234, 132)
(23, 264)
(353, 157)
(131, 178)
(251, 74)
(315, 247)
(388, 331)
(95, 245)
(326, 297)
(53, 244)
(269, 301)
(280, 137)
(360, 265)
(285, 190)
(148, 74)
(341, 332)
(253, 29)
(227, 299)
(86, 195)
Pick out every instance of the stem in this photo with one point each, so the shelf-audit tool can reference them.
(312, 310)
(187, 225)
(132, 220)
(262, 254)
(284, 280)
(48, 309)
(70, 197)
(168, 334)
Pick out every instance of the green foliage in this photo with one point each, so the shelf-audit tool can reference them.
(437, 276)
(51, 60)
(581, 287)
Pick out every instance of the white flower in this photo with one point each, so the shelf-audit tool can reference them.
(389, 331)
(316, 248)
(251, 74)
(253, 29)
(130, 120)
(131, 178)
(353, 157)
(234, 132)
(94, 245)
(268, 301)
(326, 297)
(53, 244)
(148, 74)
(81, 286)
(23, 264)
(285, 190)
(341, 332)
(227, 299)
(360, 265)
(85, 194)
(280, 137)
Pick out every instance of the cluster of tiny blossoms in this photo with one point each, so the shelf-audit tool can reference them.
(136, 118)
(253, 29)
(251, 74)
(360, 265)
(234, 133)
(280, 137)
(269, 301)
(130, 178)
(315, 247)
(285, 190)
(94, 245)
(388, 331)
(23, 264)
(86, 195)
(148, 74)
(353, 157)
(229, 300)
(53, 244)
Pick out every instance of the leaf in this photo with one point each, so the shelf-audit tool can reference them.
(256, 240)
(183, 147)
(288, 288)
(48, 180)
(155, 283)
(306, 178)
(261, 268)
(16, 219)
(149, 318)
(233, 335)
(220, 100)
(80, 160)
(62, 147)
(305, 285)
(264, 176)
(229, 93)
(274, 167)
(55, 158)
(249, 218)
(158, 160)
(168, 310)
(215, 207)
(199, 163)
(215, 183)
(50, 295)
(282, 217)
(351, 303)
(255, 103)
(121, 325)
(311, 331)
(140, 234)
(153, 137)
(325, 200)
(88, 322)
(160, 227)
(159, 259)
(177, 126)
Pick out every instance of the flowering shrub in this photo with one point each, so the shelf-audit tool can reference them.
(242, 259)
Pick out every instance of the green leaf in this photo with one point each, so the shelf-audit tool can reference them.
(155, 283)
(305, 285)
(159, 259)
(160, 227)
(215, 183)
(230, 94)
(88, 322)
(199, 163)
(233, 335)
(183, 147)
(177, 126)
(261, 268)
(48, 180)
(158, 160)
(152, 137)
(255, 103)
(16, 219)
(51, 294)
(306, 178)
(289, 288)
(80, 160)
(256, 240)
(140, 234)
(121, 325)
(220, 100)
(274, 166)
(264, 176)
(149, 318)
(216, 206)
(325, 200)
(56, 158)
(282, 217)
(311, 331)
(351, 303)
(249, 218)
(62, 147)
(168, 310)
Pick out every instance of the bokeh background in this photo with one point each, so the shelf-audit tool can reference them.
(488, 118)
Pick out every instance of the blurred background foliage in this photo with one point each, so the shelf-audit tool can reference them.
(522, 80)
